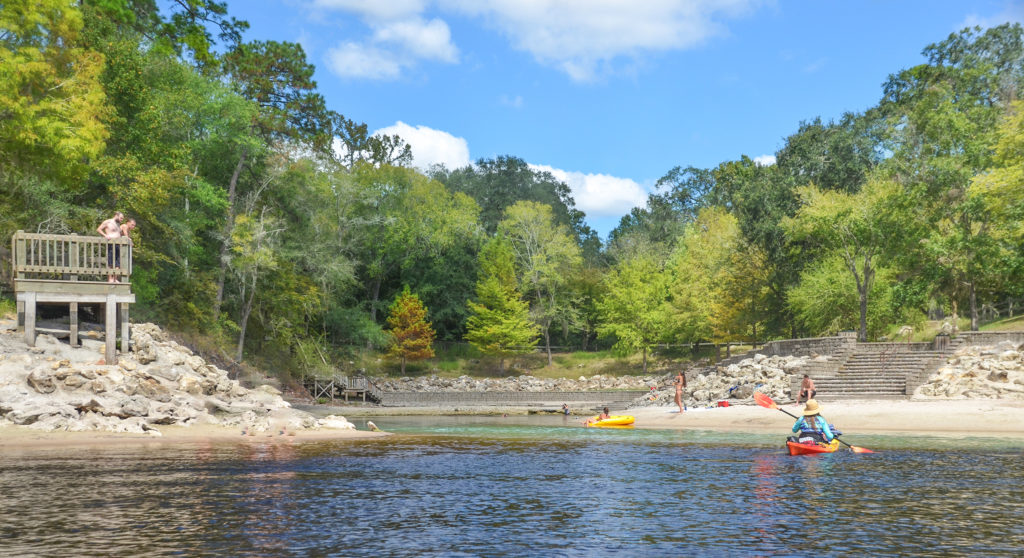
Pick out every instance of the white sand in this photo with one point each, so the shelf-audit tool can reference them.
(23, 437)
(979, 417)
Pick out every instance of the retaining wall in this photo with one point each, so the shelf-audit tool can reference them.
(505, 398)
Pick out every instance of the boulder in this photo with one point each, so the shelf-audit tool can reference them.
(42, 381)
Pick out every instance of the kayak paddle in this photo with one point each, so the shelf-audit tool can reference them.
(763, 400)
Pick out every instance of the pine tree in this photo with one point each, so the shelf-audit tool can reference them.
(499, 323)
(412, 334)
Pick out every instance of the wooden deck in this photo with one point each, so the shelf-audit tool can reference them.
(342, 387)
(73, 270)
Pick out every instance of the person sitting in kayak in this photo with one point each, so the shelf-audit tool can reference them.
(812, 427)
(604, 415)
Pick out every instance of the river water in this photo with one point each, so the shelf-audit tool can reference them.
(517, 486)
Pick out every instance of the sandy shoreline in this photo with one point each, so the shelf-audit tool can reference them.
(22, 437)
(973, 417)
(986, 417)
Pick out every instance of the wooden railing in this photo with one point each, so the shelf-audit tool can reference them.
(70, 257)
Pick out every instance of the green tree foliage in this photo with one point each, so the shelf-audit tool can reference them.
(826, 300)
(411, 333)
(496, 184)
(499, 323)
(52, 104)
(546, 259)
(632, 307)
(854, 226)
(942, 117)
(698, 268)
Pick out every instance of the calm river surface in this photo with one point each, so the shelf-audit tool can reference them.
(518, 486)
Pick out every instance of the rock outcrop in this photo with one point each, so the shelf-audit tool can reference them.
(736, 382)
(978, 372)
(57, 387)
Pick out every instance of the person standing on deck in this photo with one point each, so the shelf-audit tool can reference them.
(110, 230)
(680, 386)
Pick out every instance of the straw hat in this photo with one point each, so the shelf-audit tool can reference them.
(812, 408)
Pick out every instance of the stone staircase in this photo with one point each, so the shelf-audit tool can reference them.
(879, 370)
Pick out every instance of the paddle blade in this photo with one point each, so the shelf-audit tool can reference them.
(857, 449)
(763, 400)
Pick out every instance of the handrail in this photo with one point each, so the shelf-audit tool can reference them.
(69, 257)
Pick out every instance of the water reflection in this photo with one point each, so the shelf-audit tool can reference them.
(511, 489)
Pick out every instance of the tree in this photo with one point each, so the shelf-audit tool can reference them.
(546, 257)
(851, 225)
(412, 334)
(499, 322)
(254, 242)
(943, 115)
(52, 105)
(633, 305)
(698, 270)
(277, 77)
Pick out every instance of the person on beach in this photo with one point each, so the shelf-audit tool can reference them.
(807, 391)
(110, 229)
(604, 415)
(812, 425)
(680, 386)
(565, 408)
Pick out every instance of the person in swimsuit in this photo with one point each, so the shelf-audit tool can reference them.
(680, 386)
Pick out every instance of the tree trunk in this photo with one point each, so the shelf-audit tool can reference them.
(645, 360)
(403, 365)
(244, 322)
(374, 297)
(972, 295)
(547, 341)
(862, 335)
(501, 366)
(228, 226)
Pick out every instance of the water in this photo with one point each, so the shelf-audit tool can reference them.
(524, 486)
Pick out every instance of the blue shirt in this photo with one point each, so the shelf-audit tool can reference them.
(822, 426)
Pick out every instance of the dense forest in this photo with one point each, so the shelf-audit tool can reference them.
(281, 229)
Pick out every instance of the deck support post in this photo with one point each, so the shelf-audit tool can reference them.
(73, 324)
(30, 319)
(124, 328)
(110, 356)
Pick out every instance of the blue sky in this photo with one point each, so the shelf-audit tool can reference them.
(608, 95)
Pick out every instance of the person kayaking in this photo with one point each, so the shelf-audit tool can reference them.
(811, 426)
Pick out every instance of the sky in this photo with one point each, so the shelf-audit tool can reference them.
(608, 95)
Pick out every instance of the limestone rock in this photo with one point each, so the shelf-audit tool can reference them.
(42, 381)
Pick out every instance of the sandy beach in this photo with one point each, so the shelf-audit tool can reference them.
(970, 417)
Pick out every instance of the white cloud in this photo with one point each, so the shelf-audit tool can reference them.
(600, 195)
(375, 9)
(509, 101)
(363, 61)
(400, 39)
(1012, 13)
(764, 160)
(582, 36)
(430, 146)
(430, 40)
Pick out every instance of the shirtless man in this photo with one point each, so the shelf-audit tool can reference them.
(111, 229)
(807, 390)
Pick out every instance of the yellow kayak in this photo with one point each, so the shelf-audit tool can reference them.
(614, 420)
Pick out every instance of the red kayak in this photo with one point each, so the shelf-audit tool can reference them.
(811, 448)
